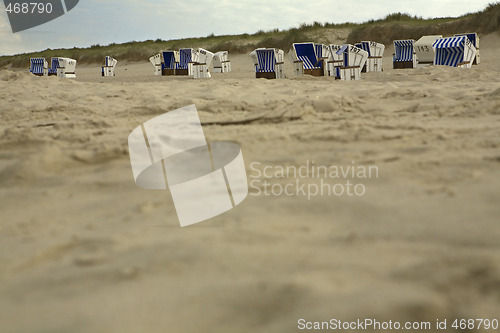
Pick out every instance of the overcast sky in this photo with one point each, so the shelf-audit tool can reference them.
(107, 21)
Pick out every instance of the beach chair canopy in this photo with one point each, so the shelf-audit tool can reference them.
(156, 59)
(403, 50)
(110, 61)
(472, 37)
(265, 60)
(321, 50)
(54, 63)
(37, 65)
(170, 60)
(205, 56)
(453, 51)
(186, 56)
(352, 55)
(374, 49)
(332, 52)
(306, 52)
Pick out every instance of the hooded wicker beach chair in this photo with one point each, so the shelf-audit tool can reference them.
(354, 59)
(109, 66)
(268, 63)
(454, 51)
(404, 54)
(170, 62)
(425, 51)
(306, 59)
(474, 38)
(66, 68)
(187, 58)
(221, 62)
(201, 69)
(39, 66)
(375, 55)
(156, 61)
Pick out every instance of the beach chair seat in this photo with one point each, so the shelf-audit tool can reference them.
(187, 58)
(269, 63)
(39, 66)
(201, 69)
(156, 61)
(454, 51)
(66, 68)
(221, 62)
(425, 51)
(354, 59)
(375, 50)
(474, 38)
(109, 66)
(307, 61)
(335, 61)
(54, 64)
(404, 54)
(170, 62)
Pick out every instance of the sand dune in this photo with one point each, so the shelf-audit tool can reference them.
(85, 250)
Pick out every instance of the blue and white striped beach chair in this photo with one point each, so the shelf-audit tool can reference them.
(54, 64)
(39, 66)
(335, 61)
(354, 59)
(425, 51)
(221, 62)
(454, 52)
(404, 54)
(268, 63)
(306, 59)
(170, 62)
(474, 38)
(187, 58)
(375, 55)
(109, 66)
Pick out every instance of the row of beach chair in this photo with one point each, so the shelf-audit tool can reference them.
(191, 62)
(460, 50)
(61, 67)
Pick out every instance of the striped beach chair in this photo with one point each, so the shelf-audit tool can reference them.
(404, 54)
(354, 59)
(425, 51)
(66, 68)
(187, 58)
(268, 63)
(306, 59)
(375, 56)
(39, 66)
(221, 62)
(474, 38)
(201, 69)
(335, 61)
(54, 64)
(454, 52)
(170, 62)
(156, 61)
(109, 66)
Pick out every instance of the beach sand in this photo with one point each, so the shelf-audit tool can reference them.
(83, 249)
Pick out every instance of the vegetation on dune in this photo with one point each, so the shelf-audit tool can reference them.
(392, 27)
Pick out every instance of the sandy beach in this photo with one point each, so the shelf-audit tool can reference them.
(83, 249)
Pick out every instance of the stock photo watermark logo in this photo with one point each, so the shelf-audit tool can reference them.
(26, 14)
(310, 180)
(205, 179)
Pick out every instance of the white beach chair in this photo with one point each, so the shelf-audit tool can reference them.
(268, 63)
(170, 62)
(354, 59)
(201, 68)
(307, 60)
(404, 54)
(375, 56)
(454, 52)
(335, 61)
(221, 62)
(474, 38)
(425, 51)
(156, 61)
(67, 68)
(39, 66)
(187, 59)
(109, 66)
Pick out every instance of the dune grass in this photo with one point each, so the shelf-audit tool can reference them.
(392, 27)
